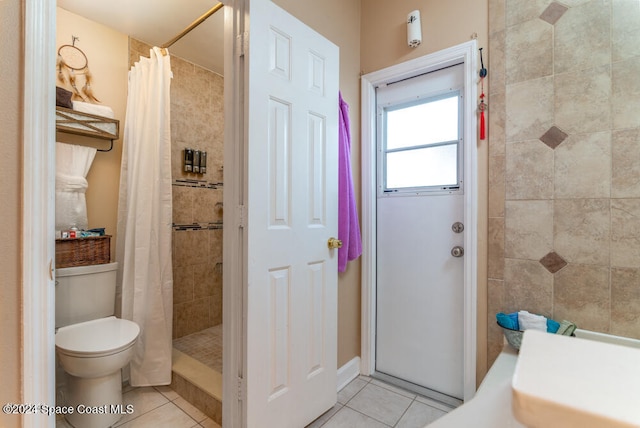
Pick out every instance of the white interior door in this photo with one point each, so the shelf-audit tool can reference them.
(420, 283)
(292, 153)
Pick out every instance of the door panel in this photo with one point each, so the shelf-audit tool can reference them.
(420, 284)
(291, 306)
(420, 292)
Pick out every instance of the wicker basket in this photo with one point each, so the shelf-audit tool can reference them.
(514, 337)
(83, 251)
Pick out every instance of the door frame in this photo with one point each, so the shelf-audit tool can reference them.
(38, 209)
(234, 280)
(465, 53)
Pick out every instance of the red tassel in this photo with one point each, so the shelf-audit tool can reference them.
(482, 131)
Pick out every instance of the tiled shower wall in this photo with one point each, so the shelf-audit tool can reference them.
(564, 163)
(197, 120)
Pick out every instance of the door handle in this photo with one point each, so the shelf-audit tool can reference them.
(457, 251)
(334, 243)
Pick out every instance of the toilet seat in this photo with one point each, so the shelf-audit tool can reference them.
(97, 338)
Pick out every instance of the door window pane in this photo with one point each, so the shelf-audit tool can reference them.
(422, 124)
(431, 166)
(421, 144)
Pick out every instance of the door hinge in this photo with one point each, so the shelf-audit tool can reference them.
(241, 389)
(242, 216)
(242, 43)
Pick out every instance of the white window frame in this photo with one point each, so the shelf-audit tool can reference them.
(383, 190)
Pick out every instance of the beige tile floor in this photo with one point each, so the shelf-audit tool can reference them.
(363, 403)
(370, 403)
(157, 407)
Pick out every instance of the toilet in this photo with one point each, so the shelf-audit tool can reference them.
(92, 345)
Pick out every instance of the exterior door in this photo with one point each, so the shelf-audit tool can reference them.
(292, 207)
(420, 281)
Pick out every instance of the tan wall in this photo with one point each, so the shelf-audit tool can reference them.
(339, 21)
(564, 207)
(11, 206)
(444, 24)
(107, 54)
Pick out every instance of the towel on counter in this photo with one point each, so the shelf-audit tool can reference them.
(566, 328)
(508, 320)
(552, 326)
(527, 321)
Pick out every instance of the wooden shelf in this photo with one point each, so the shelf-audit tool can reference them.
(89, 125)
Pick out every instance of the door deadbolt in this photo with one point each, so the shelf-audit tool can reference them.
(457, 227)
(457, 251)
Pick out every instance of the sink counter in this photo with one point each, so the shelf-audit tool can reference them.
(563, 381)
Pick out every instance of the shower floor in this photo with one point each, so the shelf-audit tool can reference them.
(204, 346)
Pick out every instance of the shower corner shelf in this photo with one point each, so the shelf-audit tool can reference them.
(86, 124)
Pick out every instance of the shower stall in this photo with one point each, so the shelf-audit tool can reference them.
(197, 123)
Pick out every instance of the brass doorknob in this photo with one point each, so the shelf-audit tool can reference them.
(333, 243)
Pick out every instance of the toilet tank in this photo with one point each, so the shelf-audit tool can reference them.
(85, 293)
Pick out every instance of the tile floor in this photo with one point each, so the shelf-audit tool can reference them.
(205, 346)
(370, 403)
(363, 403)
(157, 407)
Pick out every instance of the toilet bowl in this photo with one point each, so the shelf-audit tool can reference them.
(92, 345)
(92, 354)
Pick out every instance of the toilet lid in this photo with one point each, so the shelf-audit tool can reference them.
(104, 335)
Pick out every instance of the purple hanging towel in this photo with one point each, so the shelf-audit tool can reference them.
(348, 226)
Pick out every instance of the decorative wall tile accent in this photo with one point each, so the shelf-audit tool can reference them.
(554, 137)
(553, 12)
(553, 262)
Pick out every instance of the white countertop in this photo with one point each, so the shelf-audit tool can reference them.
(557, 381)
(565, 382)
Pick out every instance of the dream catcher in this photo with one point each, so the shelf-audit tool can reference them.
(71, 64)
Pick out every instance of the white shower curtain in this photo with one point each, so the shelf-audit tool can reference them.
(143, 249)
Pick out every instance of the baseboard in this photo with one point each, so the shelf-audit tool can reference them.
(348, 372)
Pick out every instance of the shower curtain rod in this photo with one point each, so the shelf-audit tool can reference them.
(193, 25)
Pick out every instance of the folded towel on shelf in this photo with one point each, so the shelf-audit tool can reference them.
(508, 320)
(96, 109)
(566, 328)
(527, 321)
(63, 97)
(552, 325)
